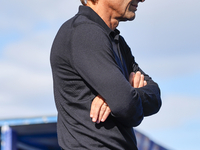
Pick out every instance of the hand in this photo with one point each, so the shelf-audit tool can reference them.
(99, 110)
(137, 79)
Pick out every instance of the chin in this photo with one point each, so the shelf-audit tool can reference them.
(128, 18)
(131, 17)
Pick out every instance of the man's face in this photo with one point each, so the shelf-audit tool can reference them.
(123, 9)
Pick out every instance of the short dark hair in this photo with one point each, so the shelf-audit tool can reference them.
(84, 3)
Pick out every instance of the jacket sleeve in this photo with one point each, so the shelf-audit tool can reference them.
(149, 94)
(93, 60)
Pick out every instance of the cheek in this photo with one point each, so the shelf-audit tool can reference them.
(125, 9)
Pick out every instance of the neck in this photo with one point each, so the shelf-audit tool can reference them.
(104, 13)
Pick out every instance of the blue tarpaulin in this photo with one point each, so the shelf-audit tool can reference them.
(39, 133)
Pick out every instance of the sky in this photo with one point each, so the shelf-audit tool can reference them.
(164, 38)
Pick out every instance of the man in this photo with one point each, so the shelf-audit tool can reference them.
(95, 75)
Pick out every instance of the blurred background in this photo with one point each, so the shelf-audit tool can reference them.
(164, 38)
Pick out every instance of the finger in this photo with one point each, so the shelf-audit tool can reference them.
(101, 112)
(106, 114)
(145, 83)
(131, 77)
(141, 84)
(137, 79)
(95, 108)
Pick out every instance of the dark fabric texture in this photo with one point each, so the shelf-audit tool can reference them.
(89, 59)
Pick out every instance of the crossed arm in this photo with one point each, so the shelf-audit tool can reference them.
(99, 108)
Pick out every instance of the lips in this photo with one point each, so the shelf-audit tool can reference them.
(134, 6)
